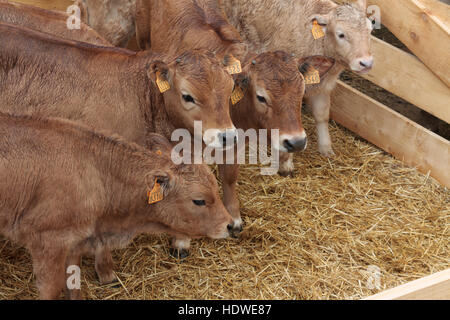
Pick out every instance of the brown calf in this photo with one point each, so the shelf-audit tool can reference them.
(112, 89)
(48, 204)
(52, 22)
(287, 25)
(272, 82)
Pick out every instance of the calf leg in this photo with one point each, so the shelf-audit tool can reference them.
(104, 265)
(286, 164)
(49, 269)
(180, 247)
(228, 175)
(320, 106)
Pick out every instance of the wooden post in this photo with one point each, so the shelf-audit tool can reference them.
(421, 30)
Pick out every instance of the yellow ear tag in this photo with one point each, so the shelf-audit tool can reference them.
(159, 153)
(317, 30)
(237, 95)
(312, 77)
(156, 194)
(234, 67)
(163, 85)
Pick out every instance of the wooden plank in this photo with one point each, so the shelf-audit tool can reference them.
(433, 287)
(392, 132)
(439, 9)
(421, 31)
(405, 76)
(48, 4)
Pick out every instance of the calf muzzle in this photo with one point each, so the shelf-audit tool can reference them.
(234, 230)
(295, 144)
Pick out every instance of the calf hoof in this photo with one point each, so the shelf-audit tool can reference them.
(179, 253)
(326, 151)
(107, 279)
(289, 174)
(115, 284)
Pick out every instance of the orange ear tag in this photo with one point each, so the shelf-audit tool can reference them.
(162, 84)
(156, 194)
(159, 153)
(237, 95)
(312, 77)
(317, 30)
(234, 67)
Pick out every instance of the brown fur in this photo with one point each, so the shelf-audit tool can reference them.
(52, 22)
(114, 20)
(286, 25)
(48, 205)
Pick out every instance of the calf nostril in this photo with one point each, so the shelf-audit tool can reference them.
(227, 138)
(287, 144)
(230, 227)
(366, 63)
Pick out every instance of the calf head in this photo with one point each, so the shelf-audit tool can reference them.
(348, 30)
(191, 204)
(200, 89)
(273, 87)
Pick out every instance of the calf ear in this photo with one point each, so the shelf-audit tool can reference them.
(158, 143)
(320, 63)
(322, 20)
(159, 72)
(242, 80)
(164, 179)
(237, 50)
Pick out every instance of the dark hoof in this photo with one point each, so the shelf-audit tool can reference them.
(179, 253)
(115, 284)
(286, 174)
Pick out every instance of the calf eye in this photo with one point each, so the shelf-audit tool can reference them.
(188, 98)
(199, 202)
(341, 35)
(261, 99)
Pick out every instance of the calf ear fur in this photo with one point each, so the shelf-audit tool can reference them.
(320, 63)
(164, 71)
(242, 80)
(163, 178)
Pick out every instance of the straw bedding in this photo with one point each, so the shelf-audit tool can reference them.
(308, 237)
